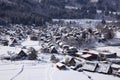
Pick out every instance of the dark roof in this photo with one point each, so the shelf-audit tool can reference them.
(22, 54)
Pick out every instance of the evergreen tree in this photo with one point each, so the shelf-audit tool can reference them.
(32, 54)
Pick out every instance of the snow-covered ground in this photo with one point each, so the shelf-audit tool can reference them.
(34, 70)
(112, 49)
(44, 69)
(84, 22)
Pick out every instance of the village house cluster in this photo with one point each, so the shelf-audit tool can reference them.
(76, 44)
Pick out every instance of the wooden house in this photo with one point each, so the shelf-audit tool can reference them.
(69, 61)
(53, 49)
(87, 55)
(21, 55)
(107, 55)
(13, 42)
(93, 56)
(72, 51)
(33, 37)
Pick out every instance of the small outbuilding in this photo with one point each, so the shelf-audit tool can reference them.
(60, 66)
(107, 55)
(22, 55)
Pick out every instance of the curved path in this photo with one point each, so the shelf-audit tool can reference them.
(18, 73)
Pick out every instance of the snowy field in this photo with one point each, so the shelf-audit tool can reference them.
(34, 70)
(44, 69)
(84, 22)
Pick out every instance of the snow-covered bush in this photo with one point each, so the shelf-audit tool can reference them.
(44, 50)
(54, 59)
(109, 34)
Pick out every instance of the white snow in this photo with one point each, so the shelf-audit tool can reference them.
(44, 69)
(86, 55)
(117, 34)
(86, 23)
(40, 70)
(95, 1)
(67, 75)
(98, 76)
(30, 43)
(111, 49)
(4, 50)
(8, 71)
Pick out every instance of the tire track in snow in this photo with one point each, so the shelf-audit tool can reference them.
(49, 73)
(18, 73)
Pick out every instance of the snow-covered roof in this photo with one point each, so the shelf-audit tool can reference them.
(86, 55)
(103, 68)
(59, 64)
(79, 53)
(94, 52)
(114, 60)
(115, 66)
(111, 49)
(91, 66)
